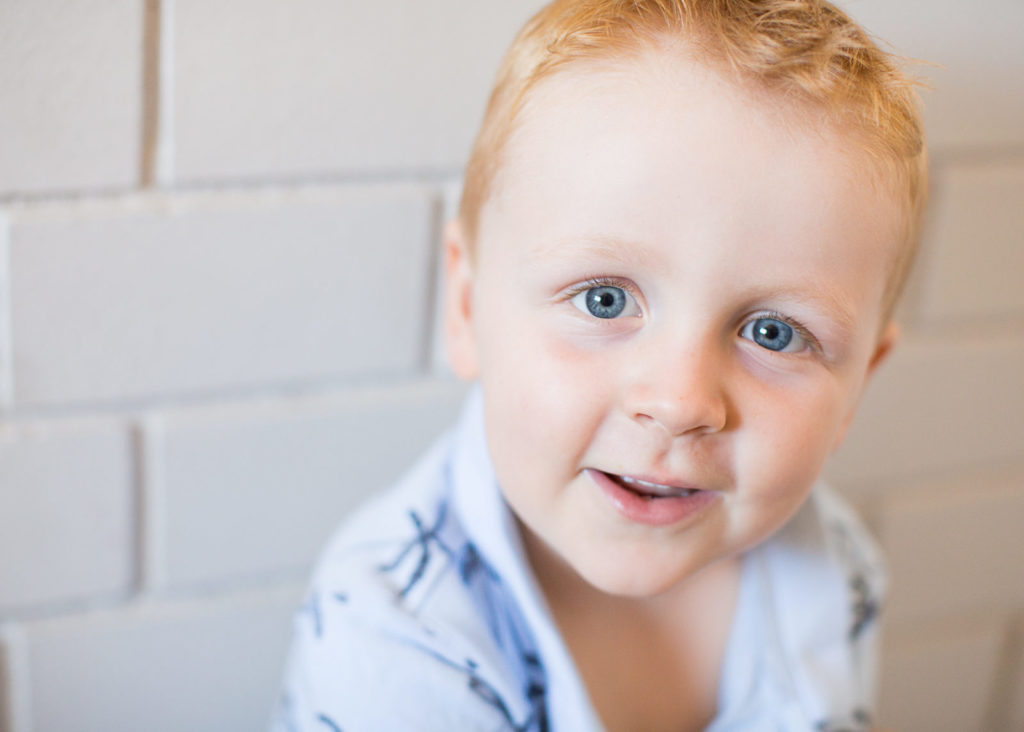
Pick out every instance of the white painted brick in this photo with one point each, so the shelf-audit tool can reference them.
(200, 665)
(257, 489)
(439, 364)
(937, 405)
(66, 512)
(191, 294)
(939, 679)
(976, 57)
(71, 85)
(974, 257)
(955, 548)
(319, 86)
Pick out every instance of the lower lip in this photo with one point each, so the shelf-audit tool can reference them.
(651, 511)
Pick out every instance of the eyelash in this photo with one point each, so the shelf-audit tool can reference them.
(592, 282)
(600, 281)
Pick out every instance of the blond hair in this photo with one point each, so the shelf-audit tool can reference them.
(806, 50)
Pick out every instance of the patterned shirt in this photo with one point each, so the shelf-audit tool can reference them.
(423, 614)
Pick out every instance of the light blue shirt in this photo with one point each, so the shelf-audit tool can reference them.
(423, 614)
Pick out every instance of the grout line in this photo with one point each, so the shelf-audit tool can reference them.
(302, 392)
(6, 319)
(301, 182)
(15, 680)
(150, 92)
(432, 292)
(138, 450)
(151, 549)
(164, 132)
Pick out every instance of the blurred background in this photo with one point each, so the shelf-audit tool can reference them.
(218, 278)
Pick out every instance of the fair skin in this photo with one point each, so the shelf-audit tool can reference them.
(672, 307)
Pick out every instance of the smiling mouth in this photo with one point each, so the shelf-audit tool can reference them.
(646, 489)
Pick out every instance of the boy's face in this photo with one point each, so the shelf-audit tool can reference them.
(671, 285)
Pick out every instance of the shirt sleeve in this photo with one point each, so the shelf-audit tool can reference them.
(357, 677)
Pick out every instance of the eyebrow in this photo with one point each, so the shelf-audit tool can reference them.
(617, 250)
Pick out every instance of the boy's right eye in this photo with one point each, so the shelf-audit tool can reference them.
(606, 301)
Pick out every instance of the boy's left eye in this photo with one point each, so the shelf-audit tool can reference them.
(774, 334)
(606, 301)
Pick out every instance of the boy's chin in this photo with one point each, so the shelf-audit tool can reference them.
(632, 582)
(639, 580)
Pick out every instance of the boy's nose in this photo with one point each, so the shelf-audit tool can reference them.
(680, 392)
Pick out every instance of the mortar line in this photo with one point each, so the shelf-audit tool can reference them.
(149, 113)
(151, 548)
(164, 132)
(432, 306)
(6, 319)
(15, 680)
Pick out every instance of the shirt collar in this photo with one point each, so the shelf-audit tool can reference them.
(489, 524)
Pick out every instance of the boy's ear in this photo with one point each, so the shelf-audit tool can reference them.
(458, 302)
(887, 340)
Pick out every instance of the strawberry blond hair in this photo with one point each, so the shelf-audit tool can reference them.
(807, 51)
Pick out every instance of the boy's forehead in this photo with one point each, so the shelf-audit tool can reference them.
(616, 100)
(623, 117)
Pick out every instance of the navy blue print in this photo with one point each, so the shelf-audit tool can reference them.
(286, 713)
(328, 722)
(497, 606)
(865, 606)
(311, 607)
(470, 565)
(508, 629)
(424, 539)
(488, 694)
(859, 721)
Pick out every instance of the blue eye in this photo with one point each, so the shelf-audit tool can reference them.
(774, 335)
(606, 301)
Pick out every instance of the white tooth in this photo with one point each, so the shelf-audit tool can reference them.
(637, 481)
(656, 488)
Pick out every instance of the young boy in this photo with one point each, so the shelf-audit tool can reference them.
(684, 226)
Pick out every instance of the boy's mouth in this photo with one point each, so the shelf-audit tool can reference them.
(649, 490)
(647, 502)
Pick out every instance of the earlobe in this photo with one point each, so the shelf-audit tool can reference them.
(458, 302)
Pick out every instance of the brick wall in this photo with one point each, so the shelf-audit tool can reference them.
(189, 361)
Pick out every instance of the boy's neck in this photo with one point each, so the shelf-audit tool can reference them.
(648, 663)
